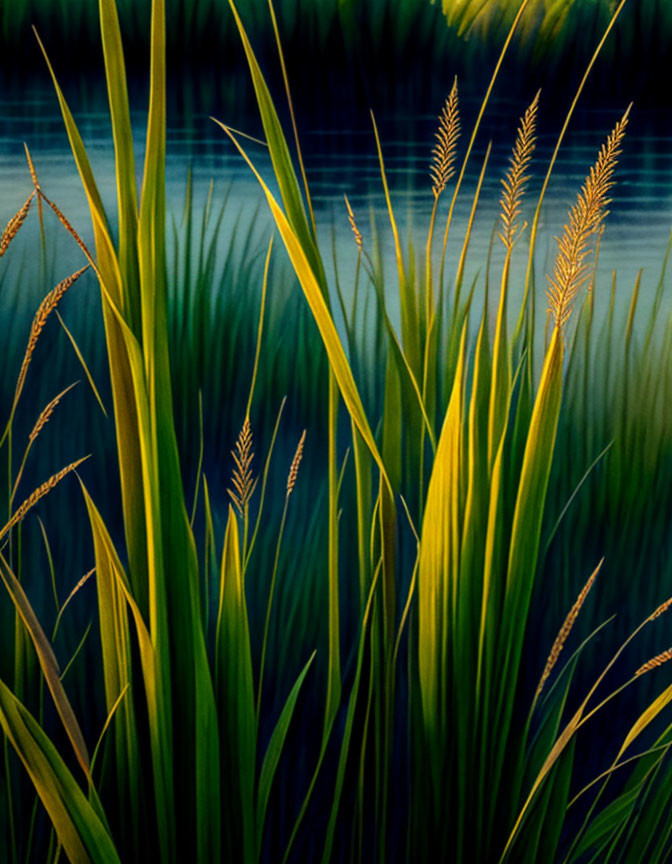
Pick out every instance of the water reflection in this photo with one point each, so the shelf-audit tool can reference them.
(344, 160)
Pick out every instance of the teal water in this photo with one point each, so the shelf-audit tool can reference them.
(344, 161)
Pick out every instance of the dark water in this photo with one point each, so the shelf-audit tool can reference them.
(344, 160)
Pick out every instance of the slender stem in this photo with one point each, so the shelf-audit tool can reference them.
(267, 623)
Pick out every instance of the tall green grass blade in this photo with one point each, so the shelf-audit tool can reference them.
(160, 721)
(127, 194)
(235, 695)
(323, 319)
(80, 831)
(48, 663)
(274, 752)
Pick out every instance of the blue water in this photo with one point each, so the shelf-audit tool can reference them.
(344, 161)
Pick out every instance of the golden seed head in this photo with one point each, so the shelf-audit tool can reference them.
(44, 310)
(14, 224)
(660, 610)
(585, 218)
(565, 630)
(46, 413)
(658, 660)
(71, 231)
(39, 493)
(515, 182)
(296, 461)
(242, 479)
(31, 168)
(353, 225)
(442, 166)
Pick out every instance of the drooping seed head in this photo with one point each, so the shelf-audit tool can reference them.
(12, 228)
(38, 494)
(44, 310)
(654, 662)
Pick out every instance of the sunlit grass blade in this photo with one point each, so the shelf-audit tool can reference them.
(48, 663)
(274, 752)
(235, 696)
(80, 831)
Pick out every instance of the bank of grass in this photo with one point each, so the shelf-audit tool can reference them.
(430, 719)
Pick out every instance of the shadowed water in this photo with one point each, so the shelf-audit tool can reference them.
(344, 161)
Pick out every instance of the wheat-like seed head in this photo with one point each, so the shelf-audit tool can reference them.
(45, 309)
(353, 225)
(46, 413)
(85, 578)
(442, 167)
(565, 630)
(296, 461)
(585, 217)
(12, 228)
(660, 610)
(39, 493)
(31, 168)
(241, 478)
(515, 182)
(658, 660)
(71, 231)
(33, 177)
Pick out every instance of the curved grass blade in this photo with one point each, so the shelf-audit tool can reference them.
(80, 831)
(48, 663)
(274, 752)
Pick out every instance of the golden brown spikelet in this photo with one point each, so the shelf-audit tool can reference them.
(296, 461)
(82, 582)
(39, 493)
(14, 224)
(658, 660)
(353, 225)
(565, 630)
(515, 182)
(33, 177)
(571, 270)
(45, 309)
(660, 610)
(31, 168)
(71, 231)
(442, 167)
(46, 413)
(242, 479)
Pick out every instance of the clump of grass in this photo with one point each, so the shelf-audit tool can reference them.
(458, 431)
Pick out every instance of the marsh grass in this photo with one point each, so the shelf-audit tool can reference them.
(365, 697)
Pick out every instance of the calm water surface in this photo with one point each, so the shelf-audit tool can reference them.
(344, 161)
